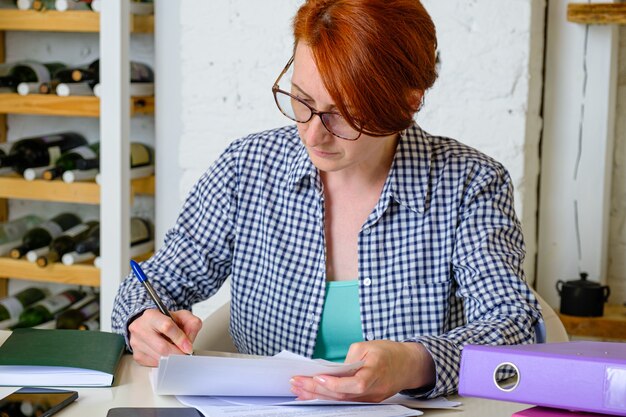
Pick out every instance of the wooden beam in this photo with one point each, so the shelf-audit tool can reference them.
(53, 105)
(597, 13)
(83, 192)
(82, 274)
(78, 192)
(4, 204)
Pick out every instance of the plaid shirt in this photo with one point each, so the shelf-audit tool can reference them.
(440, 256)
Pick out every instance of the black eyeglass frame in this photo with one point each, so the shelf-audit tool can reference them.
(276, 89)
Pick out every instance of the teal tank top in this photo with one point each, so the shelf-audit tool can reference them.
(340, 325)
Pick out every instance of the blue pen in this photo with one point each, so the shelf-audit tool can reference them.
(141, 276)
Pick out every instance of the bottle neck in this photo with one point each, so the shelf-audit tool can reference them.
(7, 160)
(9, 81)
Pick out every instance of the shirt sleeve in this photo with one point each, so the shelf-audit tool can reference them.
(195, 259)
(498, 306)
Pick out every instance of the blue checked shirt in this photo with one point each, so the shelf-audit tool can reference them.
(440, 256)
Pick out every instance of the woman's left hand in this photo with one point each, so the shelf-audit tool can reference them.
(389, 368)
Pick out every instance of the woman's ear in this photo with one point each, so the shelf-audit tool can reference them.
(415, 100)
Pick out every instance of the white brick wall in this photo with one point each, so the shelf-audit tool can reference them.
(232, 51)
(487, 94)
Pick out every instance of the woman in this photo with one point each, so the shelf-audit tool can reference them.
(354, 235)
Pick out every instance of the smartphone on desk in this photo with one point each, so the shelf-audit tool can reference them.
(39, 402)
(154, 412)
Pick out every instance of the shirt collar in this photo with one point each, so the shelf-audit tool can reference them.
(410, 172)
(408, 178)
(302, 168)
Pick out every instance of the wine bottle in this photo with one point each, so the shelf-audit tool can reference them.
(24, 4)
(41, 5)
(16, 228)
(79, 175)
(11, 75)
(73, 317)
(92, 324)
(33, 86)
(48, 87)
(89, 248)
(70, 159)
(43, 234)
(46, 309)
(40, 151)
(5, 148)
(11, 307)
(31, 174)
(64, 5)
(140, 155)
(84, 73)
(66, 243)
(75, 89)
(12, 231)
(139, 73)
(140, 231)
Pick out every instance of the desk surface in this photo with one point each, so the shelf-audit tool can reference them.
(133, 389)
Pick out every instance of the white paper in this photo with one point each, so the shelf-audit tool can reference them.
(236, 376)
(14, 375)
(214, 407)
(398, 399)
(6, 391)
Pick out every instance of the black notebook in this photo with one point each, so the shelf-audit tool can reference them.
(60, 358)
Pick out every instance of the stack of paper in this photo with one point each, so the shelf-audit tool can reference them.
(236, 376)
(254, 386)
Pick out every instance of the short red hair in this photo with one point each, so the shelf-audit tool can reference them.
(372, 55)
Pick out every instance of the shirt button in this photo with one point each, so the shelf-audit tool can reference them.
(367, 282)
(367, 231)
(370, 336)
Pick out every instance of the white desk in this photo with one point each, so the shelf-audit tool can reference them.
(132, 389)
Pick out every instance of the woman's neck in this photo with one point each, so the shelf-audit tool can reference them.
(365, 176)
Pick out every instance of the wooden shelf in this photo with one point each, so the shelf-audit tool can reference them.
(69, 21)
(53, 105)
(597, 13)
(610, 326)
(84, 192)
(56, 273)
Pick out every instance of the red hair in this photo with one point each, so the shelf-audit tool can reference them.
(373, 57)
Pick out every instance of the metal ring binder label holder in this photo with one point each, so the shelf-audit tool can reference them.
(508, 384)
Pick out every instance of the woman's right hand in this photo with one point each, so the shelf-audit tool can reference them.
(153, 335)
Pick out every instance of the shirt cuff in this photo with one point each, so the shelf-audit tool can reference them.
(447, 358)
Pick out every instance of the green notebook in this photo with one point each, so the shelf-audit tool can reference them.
(60, 358)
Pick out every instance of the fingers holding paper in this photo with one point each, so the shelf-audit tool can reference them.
(389, 368)
(153, 335)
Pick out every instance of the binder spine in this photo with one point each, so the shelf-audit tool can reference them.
(549, 381)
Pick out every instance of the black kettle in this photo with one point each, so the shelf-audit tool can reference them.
(582, 298)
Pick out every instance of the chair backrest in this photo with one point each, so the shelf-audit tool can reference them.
(554, 331)
(216, 337)
(214, 334)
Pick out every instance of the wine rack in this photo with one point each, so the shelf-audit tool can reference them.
(14, 187)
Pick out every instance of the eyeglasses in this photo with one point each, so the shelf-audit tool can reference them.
(301, 112)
